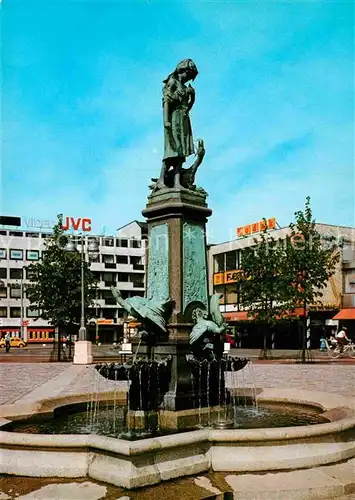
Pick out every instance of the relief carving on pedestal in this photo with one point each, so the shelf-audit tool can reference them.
(194, 265)
(158, 267)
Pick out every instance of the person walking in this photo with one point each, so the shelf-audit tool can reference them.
(7, 342)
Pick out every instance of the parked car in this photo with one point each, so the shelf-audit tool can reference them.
(14, 342)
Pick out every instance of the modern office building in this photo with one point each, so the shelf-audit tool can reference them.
(337, 302)
(121, 263)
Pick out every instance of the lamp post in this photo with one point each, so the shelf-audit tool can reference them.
(83, 347)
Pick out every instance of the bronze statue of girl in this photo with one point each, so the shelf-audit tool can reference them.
(178, 99)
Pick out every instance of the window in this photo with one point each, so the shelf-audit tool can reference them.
(110, 259)
(3, 272)
(122, 277)
(15, 233)
(16, 254)
(15, 312)
(3, 253)
(32, 313)
(32, 254)
(106, 294)
(136, 244)
(108, 277)
(121, 243)
(231, 261)
(108, 242)
(110, 313)
(232, 294)
(15, 292)
(3, 312)
(3, 292)
(29, 273)
(220, 289)
(32, 235)
(219, 263)
(122, 259)
(15, 274)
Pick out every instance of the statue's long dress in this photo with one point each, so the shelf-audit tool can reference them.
(178, 143)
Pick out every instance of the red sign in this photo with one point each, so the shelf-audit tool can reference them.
(256, 227)
(25, 322)
(79, 223)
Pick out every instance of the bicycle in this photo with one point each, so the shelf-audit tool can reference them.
(348, 349)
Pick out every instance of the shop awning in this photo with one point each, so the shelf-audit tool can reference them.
(243, 315)
(348, 313)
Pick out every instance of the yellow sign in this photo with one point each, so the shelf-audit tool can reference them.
(256, 227)
(218, 278)
(227, 277)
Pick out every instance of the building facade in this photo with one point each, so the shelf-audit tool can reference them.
(120, 263)
(338, 296)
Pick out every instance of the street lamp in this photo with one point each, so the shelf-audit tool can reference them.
(83, 348)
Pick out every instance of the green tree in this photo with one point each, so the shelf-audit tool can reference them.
(55, 282)
(263, 283)
(310, 262)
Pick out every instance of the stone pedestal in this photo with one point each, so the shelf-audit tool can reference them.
(177, 268)
(82, 353)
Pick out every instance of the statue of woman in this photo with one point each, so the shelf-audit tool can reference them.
(178, 99)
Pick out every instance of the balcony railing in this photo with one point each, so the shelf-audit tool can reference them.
(110, 265)
(138, 267)
(138, 284)
(110, 283)
(110, 301)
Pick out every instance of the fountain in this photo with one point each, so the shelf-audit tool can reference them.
(179, 379)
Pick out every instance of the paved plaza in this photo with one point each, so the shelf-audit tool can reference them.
(33, 381)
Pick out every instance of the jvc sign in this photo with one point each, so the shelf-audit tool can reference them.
(80, 223)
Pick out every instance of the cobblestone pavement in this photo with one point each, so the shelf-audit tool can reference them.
(339, 379)
(17, 379)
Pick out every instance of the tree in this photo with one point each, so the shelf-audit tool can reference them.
(55, 282)
(309, 263)
(263, 283)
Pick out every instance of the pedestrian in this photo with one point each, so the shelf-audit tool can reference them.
(7, 342)
(322, 346)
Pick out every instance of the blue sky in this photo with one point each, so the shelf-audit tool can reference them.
(82, 118)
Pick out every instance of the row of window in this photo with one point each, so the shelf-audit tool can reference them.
(15, 273)
(15, 312)
(16, 254)
(34, 255)
(112, 277)
(226, 261)
(106, 242)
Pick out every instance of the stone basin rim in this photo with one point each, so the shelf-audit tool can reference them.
(321, 400)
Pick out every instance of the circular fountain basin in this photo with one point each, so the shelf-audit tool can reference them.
(110, 420)
(149, 461)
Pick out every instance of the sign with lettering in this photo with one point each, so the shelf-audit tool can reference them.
(227, 277)
(256, 227)
(81, 223)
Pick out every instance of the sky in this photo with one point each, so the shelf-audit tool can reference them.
(82, 129)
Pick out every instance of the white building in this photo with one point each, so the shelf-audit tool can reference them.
(121, 263)
(337, 303)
